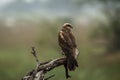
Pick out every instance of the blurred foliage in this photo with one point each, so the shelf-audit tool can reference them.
(109, 33)
(115, 25)
(94, 36)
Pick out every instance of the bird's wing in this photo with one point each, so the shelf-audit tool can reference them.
(73, 42)
(68, 39)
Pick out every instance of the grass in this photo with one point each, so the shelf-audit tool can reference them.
(14, 64)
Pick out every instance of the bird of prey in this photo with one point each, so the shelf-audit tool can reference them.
(69, 48)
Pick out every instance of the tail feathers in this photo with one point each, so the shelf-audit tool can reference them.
(71, 63)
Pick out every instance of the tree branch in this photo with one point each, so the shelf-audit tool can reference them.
(42, 68)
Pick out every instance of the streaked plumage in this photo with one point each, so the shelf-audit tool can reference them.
(68, 45)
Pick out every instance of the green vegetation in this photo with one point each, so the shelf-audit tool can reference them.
(96, 29)
(15, 64)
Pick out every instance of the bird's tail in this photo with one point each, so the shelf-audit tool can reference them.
(71, 63)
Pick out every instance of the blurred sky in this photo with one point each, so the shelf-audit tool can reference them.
(26, 23)
(35, 9)
(5, 2)
(84, 12)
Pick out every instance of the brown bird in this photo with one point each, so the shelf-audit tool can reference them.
(68, 46)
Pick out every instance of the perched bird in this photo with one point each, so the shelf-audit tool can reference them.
(68, 45)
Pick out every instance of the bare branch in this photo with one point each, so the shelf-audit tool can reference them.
(50, 77)
(35, 55)
(39, 72)
(42, 68)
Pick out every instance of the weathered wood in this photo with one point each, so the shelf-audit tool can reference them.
(42, 68)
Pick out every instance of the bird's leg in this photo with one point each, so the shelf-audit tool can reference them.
(66, 71)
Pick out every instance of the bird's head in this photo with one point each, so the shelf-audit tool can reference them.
(67, 26)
